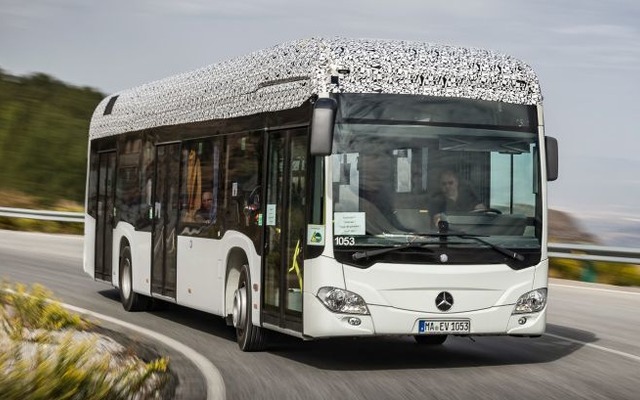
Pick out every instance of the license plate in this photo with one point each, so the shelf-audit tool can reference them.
(444, 326)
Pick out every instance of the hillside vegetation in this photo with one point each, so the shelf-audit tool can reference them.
(44, 125)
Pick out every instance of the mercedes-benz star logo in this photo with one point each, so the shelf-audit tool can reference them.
(444, 301)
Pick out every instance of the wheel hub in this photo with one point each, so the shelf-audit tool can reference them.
(239, 314)
(126, 279)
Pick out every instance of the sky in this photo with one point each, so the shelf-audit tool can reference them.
(585, 52)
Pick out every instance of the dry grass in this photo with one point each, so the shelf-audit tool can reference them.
(13, 198)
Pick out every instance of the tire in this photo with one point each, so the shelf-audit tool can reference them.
(131, 301)
(249, 337)
(430, 340)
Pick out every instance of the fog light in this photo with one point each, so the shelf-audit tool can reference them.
(522, 321)
(354, 321)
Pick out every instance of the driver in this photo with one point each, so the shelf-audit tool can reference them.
(454, 197)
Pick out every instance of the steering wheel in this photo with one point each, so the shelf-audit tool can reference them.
(487, 211)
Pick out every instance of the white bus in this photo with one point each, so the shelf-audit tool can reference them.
(303, 189)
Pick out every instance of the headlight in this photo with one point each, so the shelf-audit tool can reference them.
(342, 301)
(531, 302)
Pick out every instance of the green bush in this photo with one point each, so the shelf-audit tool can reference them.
(618, 274)
(595, 271)
(565, 268)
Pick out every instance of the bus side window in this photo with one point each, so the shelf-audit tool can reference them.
(199, 191)
(241, 174)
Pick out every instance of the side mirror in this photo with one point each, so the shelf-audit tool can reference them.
(324, 117)
(551, 145)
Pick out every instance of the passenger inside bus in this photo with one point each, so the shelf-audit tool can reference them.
(205, 212)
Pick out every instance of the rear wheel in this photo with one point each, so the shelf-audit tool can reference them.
(131, 301)
(250, 337)
(430, 340)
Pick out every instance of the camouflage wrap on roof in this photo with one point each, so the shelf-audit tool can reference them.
(287, 75)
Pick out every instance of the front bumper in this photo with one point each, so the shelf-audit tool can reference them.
(319, 322)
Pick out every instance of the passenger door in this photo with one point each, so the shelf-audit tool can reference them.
(284, 225)
(165, 219)
(105, 209)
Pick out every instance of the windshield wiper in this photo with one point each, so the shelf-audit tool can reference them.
(502, 250)
(499, 249)
(359, 255)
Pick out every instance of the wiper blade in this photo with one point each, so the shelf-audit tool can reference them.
(499, 249)
(359, 255)
(502, 250)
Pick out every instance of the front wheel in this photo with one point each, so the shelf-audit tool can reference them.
(131, 301)
(249, 336)
(430, 340)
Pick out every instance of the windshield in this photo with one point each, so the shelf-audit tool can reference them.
(406, 167)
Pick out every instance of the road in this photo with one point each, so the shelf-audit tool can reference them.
(590, 351)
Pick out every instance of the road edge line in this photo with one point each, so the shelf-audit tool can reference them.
(595, 346)
(215, 384)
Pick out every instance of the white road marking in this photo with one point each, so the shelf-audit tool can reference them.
(215, 384)
(595, 346)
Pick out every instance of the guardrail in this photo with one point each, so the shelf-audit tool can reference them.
(594, 253)
(557, 250)
(62, 216)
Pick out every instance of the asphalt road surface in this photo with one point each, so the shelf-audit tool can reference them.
(590, 351)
